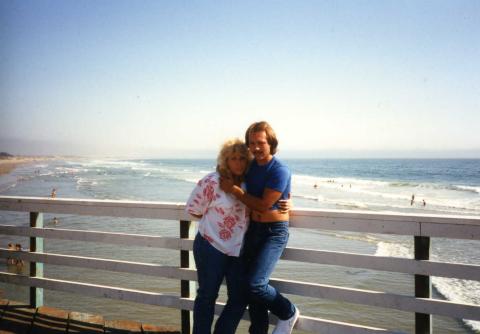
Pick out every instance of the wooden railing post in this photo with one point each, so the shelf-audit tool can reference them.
(36, 268)
(187, 288)
(423, 286)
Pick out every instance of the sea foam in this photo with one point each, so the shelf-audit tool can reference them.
(453, 289)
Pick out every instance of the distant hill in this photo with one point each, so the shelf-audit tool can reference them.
(4, 155)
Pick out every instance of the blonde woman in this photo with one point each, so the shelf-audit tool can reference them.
(216, 249)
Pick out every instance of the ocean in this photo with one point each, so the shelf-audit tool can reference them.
(379, 185)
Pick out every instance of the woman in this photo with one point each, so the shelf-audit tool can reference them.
(216, 249)
(267, 182)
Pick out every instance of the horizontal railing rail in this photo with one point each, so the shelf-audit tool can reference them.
(373, 262)
(366, 297)
(316, 325)
(419, 226)
(448, 226)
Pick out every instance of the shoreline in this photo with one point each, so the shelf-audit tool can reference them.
(7, 165)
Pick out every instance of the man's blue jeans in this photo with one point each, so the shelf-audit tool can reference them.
(212, 267)
(264, 244)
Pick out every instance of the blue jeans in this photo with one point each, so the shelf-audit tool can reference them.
(264, 245)
(212, 267)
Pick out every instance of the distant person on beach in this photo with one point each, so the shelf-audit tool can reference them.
(54, 193)
(18, 248)
(413, 199)
(267, 181)
(424, 203)
(11, 247)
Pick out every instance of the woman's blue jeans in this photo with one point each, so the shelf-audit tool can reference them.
(264, 244)
(212, 267)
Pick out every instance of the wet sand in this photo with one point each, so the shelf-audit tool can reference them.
(9, 164)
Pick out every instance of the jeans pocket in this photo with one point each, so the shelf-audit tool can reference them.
(279, 232)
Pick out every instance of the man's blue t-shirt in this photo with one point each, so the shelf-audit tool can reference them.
(274, 175)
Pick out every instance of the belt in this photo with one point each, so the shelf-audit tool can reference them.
(270, 216)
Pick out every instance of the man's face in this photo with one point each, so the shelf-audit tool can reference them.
(259, 146)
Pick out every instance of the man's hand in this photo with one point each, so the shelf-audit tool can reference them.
(269, 197)
(226, 184)
(285, 205)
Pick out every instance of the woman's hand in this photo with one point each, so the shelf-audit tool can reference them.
(285, 205)
(226, 184)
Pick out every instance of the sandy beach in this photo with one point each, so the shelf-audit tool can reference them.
(10, 163)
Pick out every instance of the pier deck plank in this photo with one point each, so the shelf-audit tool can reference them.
(3, 306)
(85, 323)
(17, 318)
(122, 327)
(20, 318)
(151, 329)
(49, 320)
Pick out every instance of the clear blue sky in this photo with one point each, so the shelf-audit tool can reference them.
(176, 78)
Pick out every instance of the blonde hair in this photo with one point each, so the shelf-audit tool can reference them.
(228, 148)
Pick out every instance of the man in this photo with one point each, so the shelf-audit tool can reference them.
(268, 181)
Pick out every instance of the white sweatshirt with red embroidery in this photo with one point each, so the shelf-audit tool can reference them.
(224, 218)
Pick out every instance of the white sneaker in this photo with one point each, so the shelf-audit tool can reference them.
(286, 326)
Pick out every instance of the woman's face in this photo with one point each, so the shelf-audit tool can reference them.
(237, 163)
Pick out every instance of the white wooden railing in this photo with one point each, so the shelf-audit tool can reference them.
(421, 227)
